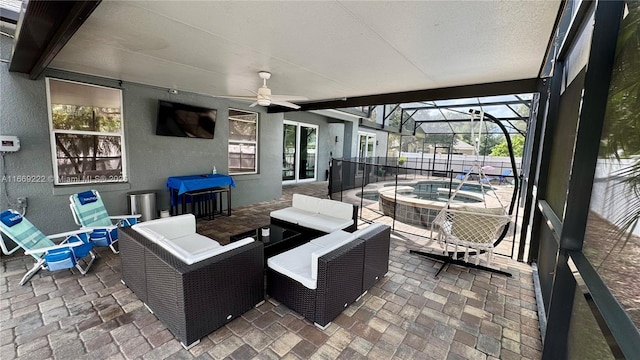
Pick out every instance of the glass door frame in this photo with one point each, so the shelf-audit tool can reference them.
(298, 126)
(369, 137)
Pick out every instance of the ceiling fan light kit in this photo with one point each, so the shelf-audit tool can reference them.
(265, 98)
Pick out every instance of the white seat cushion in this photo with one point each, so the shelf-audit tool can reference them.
(325, 223)
(335, 209)
(199, 254)
(219, 250)
(290, 214)
(306, 203)
(296, 264)
(195, 243)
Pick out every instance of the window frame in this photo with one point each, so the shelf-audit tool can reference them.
(240, 142)
(123, 177)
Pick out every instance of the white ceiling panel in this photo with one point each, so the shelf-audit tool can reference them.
(318, 49)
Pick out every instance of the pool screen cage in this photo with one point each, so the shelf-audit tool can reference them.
(427, 166)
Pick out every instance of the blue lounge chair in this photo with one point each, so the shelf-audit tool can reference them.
(487, 180)
(89, 212)
(461, 176)
(503, 177)
(48, 255)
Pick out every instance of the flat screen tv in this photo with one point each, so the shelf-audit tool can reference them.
(185, 120)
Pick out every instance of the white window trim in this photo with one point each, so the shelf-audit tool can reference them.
(256, 142)
(52, 139)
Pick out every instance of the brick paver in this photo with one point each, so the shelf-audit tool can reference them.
(464, 314)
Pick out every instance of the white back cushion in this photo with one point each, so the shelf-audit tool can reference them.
(325, 250)
(362, 232)
(336, 209)
(171, 227)
(148, 233)
(304, 202)
(331, 238)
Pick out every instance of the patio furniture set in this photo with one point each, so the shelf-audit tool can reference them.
(194, 285)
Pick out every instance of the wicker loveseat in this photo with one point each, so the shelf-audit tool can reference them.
(192, 300)
(317, 215)
(321, 278)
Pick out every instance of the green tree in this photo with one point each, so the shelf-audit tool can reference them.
(82, 151)
(502, 149)
(487, 143)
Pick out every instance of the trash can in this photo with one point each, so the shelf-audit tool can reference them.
(143, 202)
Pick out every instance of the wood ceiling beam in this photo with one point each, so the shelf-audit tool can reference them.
(43, 30)
(455, 92)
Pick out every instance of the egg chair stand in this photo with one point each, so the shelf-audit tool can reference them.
(477, 231)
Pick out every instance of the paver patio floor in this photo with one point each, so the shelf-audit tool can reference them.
(463, 314)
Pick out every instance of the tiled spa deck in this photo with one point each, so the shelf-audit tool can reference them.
(464, 314)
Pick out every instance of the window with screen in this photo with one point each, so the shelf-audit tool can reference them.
(243, 142)
(86, 129)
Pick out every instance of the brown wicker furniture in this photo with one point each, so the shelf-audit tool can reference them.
(377, 240)
(192, 300)
(321, 278)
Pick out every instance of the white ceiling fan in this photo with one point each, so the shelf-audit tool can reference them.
(265, 98)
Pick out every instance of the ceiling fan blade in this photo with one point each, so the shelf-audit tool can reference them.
(285, 104)
(254, 104)
(249, 98)
(288, 98)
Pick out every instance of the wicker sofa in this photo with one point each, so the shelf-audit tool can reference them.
(191, 299)
(321, 278)
(319, 215)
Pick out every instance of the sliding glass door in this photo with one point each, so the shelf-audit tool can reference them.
(366, 145)
(299, 155)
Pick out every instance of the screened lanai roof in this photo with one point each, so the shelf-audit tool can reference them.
(453, 116)
(450, 116)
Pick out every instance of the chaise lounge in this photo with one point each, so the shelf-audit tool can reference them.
(190, 282)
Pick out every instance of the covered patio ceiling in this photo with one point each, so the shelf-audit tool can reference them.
(326, 51)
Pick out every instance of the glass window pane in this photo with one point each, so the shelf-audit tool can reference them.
(242, 130)
(242, 158)
(87, 155)
(289, 152)
(85, 118)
